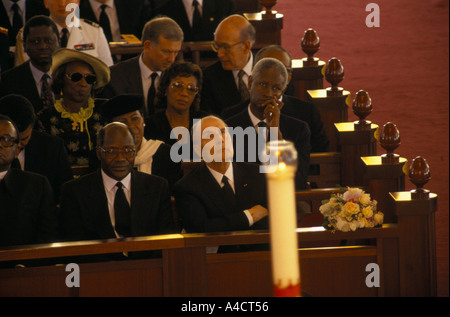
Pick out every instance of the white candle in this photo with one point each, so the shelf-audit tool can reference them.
(283, 222)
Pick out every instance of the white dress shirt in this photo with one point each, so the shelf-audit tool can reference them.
(190, 9)
(110, 190)
(112, 16)
(146, 79)
(9, 11)
(247, 70)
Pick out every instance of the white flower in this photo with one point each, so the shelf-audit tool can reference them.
(365, 199)
(353, 194)
(378, 218)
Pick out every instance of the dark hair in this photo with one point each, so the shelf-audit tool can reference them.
(164, 26)
(273, 47)
(102, 131)
(19, 109)
(6, 118)
(58, 77)
(39, 20)
(183, 69)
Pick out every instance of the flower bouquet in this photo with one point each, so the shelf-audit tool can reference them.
(350, 211)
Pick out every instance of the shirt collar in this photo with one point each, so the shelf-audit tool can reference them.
(247, 68)
(218, 176)
(253, 118)
(96, 4)
(145, 71)
(2, 174)
(9, 4)
(37, 74)
(110, 183)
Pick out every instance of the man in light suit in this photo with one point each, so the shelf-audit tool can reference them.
(96, 206)
(87, 37)
(225, 83)
(27, 208)
(40, 36)
(211, 12)
(201, 196)
(162, 38)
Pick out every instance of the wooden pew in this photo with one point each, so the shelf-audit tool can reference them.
(185, 269)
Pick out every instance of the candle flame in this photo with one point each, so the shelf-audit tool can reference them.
(282, 166)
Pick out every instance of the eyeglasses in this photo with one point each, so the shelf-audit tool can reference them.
(111, 152)
(7, 141)
(226, 47)
(180, 85)
(76, 77)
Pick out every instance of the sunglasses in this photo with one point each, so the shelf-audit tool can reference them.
(76, 77)
(190, 88)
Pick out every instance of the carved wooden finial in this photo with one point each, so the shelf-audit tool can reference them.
(310, 45)
(362, 107)
(419, 175)
(268, 4)
(389, 140)
(334, 74)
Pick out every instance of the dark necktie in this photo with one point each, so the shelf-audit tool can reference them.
(104, 23)
(151, 95)
(16, 164)
(64, 37)
(228, 191)
(196, 21)
(46, 93)
(243, 90)
(17, 22)
(122, 212)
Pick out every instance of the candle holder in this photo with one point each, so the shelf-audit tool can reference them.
(419, 175)
(283, 218)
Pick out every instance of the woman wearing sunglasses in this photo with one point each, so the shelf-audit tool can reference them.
(75, 116)
(178, 101)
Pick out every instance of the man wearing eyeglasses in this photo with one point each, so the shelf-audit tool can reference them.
(27, 208)
(226, 82)
(32, 79)
(115, 201)
(162, 39)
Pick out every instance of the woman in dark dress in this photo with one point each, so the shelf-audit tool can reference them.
(178, 101)
(75, 116)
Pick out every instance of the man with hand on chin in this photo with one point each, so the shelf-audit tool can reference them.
(115, 201)
(267, 83)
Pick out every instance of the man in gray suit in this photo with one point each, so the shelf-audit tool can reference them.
(162, 39)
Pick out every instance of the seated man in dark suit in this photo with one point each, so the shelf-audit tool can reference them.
(115, 201)
(40, 152)
(197, 26)
(32, 79)
(267, 83)
(294, 107)
(225, 83)
(220, 195)
(27, 207)
(152, 156)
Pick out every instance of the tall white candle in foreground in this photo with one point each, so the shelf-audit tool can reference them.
(283, 219)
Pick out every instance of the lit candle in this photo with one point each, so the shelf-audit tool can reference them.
(282, 216)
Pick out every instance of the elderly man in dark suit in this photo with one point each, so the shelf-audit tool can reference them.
(27, 208)
(115, 201)
(263, 114)
(197, 18)
(225, 83)
(39, 152)
(162, 39)
(32, 79)
(220, 195)
(292, 106)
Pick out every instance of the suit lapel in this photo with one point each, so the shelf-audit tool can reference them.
(212, 189)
